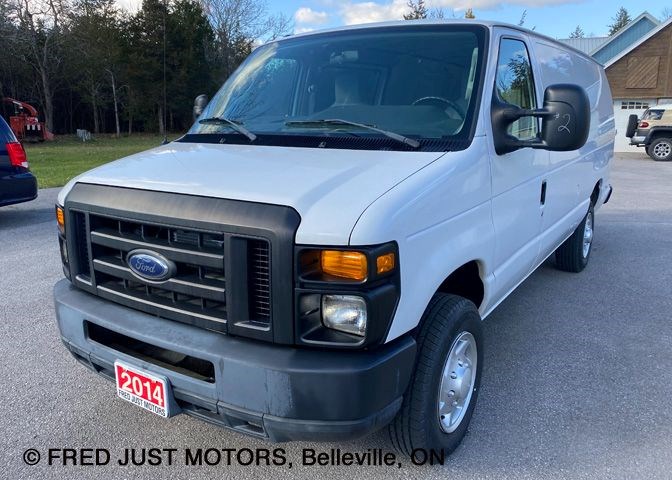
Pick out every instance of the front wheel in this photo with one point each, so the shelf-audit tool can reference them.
(440, 399)
(573, 255)
(660, 149)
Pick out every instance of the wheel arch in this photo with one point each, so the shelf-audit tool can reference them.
(657, 132)
(595, 195)
(466, 281)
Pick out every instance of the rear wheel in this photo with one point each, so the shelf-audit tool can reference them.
(573, 255)
(440, 399)
(661, 149)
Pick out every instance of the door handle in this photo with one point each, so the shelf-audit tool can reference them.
(543, 192)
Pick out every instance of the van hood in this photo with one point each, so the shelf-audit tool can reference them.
(329, 188)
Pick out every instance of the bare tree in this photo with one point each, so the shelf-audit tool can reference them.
(93, 46)
(246, 18)
(441, 13)
(666, 13)
(523, 18)
(241, 24)
(115, 100)
(40, 24)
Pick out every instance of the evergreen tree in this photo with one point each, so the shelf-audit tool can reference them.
(418, 10)
(621, 19)
(577, 33)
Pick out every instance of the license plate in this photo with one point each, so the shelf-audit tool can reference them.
(142, 389)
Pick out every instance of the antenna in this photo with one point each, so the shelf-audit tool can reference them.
(165, 101)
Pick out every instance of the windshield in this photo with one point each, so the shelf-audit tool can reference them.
(419, 82)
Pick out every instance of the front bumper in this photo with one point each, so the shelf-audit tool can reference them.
(275, 392)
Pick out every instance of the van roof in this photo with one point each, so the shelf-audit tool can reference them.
(428, 22)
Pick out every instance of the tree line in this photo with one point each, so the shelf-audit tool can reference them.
(88, 64)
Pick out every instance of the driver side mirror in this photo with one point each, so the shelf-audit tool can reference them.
(564, 127)
(200, 103)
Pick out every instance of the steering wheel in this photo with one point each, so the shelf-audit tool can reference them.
(436, 100)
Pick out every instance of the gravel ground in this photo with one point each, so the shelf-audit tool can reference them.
(577, 379)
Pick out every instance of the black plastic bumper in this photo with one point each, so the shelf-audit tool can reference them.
(275, 392)
(17, 188)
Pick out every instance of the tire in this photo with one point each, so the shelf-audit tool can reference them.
(449, 324)
(633, 122)
(573, 255)
(660, 149)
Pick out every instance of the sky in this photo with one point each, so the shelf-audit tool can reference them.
(556, 18)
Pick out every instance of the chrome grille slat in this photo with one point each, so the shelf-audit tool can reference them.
(110, 291)
(107, 238)
(186, 285)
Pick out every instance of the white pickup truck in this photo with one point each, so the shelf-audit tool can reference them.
(312, 260)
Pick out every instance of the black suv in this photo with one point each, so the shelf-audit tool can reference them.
(17, 184)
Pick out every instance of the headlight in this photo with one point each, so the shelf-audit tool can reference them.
(346, 313)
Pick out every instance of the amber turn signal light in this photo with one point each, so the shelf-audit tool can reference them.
(385, 263)
(343, 264)
(60, 219)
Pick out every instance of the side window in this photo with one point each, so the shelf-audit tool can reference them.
(515, 85)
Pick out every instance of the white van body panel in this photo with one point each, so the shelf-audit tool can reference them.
(328, 188)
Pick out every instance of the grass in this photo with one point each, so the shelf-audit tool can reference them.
(54, 163)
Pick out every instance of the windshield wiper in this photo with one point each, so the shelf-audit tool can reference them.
(237, 126)
(337, 121)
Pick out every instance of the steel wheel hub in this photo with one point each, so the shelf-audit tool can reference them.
(588, 235)
(662, 150)
(457, 382)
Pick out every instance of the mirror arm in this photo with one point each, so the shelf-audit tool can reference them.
(535, 143)
(513, 114)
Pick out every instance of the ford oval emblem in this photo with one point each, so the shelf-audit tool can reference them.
(150, 266)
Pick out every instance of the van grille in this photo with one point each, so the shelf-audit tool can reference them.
(195, 294)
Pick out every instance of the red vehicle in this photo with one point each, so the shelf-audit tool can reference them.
(25, 123)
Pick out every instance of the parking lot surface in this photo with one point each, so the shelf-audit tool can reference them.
(577, 380)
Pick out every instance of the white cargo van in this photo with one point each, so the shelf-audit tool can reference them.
(312, 260)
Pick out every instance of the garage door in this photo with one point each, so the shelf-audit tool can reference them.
(622, 111)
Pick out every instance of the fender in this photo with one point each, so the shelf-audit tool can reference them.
(654, 131)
